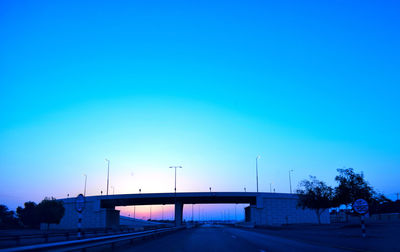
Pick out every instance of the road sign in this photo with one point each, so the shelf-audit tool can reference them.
(360, 206)
(80, 203)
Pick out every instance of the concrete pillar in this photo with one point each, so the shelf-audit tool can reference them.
(178, 213)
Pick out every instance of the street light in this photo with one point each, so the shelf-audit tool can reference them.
(84, 191)
(290, 181)
(108, 173)
(175, 167)
(257, 170)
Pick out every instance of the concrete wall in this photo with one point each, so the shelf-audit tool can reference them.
(92, 217)
(282, 209)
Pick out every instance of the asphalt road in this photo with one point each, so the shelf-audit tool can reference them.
(218, 238)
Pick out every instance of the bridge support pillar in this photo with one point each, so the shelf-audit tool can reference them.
(178, 213)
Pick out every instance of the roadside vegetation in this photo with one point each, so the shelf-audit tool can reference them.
(318, 196)
(48, 211)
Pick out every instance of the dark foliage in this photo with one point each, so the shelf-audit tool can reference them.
(352, 186)
(29, 215)
(315, 195)
(7, 218)
(50, 211)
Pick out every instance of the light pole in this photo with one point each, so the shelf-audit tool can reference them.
(290, 181)
(108, 173)
(84, 191)
(112, 187)
(150, 212)
(257, 170)
(175, 167)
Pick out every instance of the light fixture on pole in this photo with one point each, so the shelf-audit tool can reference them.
(84, 191)
(175, 167)
(290, 181)
(257, 170)
(108, 173)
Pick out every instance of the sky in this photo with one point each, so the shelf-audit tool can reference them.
(310, 86)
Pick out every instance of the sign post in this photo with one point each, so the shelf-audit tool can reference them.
(360, 206)
(79, 207)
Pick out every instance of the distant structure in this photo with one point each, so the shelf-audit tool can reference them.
(263, 209)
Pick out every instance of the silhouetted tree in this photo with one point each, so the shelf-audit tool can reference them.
(315, 195)
(381, 204)
(50, 211)
(7, 217)
(352, 186)
(29, 215)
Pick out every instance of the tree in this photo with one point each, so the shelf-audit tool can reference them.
(29, 215)
(50, 211)
(7, 217)
(352, 186)
(315, 195)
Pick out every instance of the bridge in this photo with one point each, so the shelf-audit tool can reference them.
(263, 209)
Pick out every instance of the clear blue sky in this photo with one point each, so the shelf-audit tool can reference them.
(309, 85)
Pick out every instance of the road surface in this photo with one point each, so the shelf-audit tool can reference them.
(219, 238)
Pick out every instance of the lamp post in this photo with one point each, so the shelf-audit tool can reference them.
(290, 181)
(84, 191)
(108, 173)
(257, 170)
(175, 167)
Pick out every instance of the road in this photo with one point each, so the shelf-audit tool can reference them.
(219, 238)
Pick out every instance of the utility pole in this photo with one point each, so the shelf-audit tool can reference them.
(257, 170)
(290, 181)
(108, 173)
(84, 191)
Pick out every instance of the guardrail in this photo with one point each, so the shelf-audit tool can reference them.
(30, 239)
(91, 242)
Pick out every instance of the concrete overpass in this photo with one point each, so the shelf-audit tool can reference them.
(264, 208)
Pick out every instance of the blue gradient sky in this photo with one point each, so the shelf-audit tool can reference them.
(310, 86)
